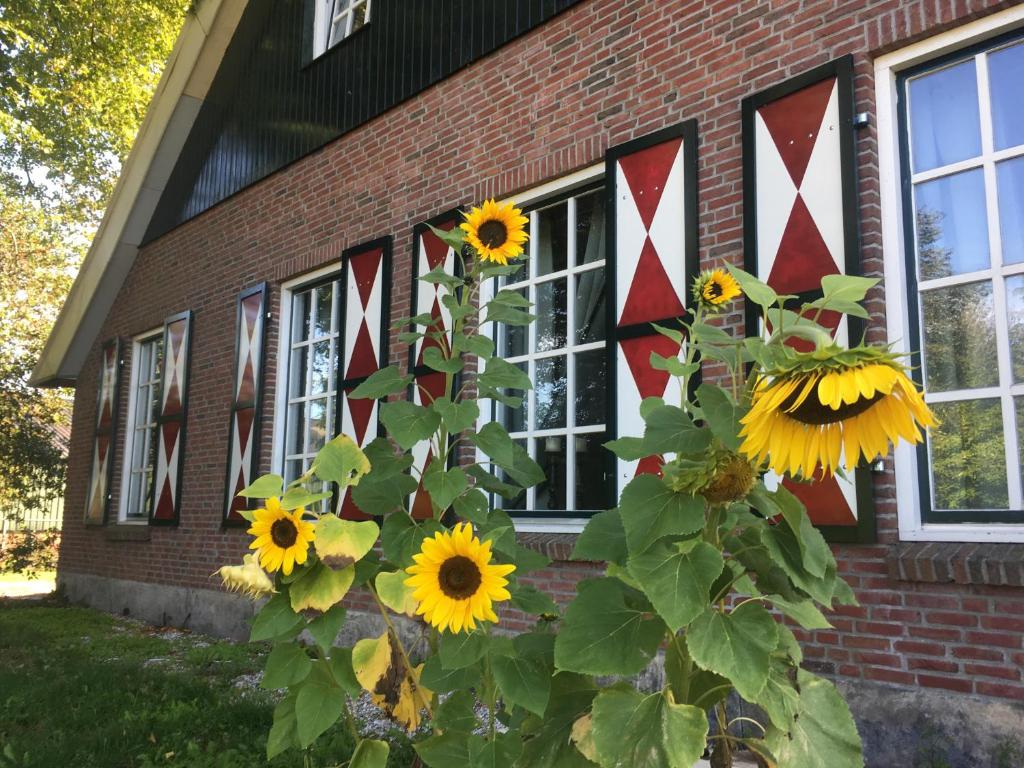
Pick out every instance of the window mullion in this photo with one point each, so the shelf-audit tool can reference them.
(570, 363)
(531, 346)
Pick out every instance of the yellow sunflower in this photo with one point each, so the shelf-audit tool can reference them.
(496, 231)
(855, 405)
(282, 537)
(455, 582)
(715, 287)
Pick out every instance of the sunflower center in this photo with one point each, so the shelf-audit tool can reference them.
(713, 289)
(459, 577)
(284, 533)
(812, 411)
(492, 233)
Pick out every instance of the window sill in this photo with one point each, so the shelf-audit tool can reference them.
(999, 565)
(127, 532)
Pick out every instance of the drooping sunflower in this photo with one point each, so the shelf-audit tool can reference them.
(455, 582)
(832, 407)
(496, 231)
(715, 287)
(247, 578)
(282, 537)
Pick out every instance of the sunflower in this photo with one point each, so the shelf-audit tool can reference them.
(282, 537)
(496, 231)
(715, 287)
(247, 578)
(832, 402)
(455, 582)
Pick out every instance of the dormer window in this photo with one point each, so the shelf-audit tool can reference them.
(336, 20)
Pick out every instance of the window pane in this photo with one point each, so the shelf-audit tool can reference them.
(1018, 405)
(1015, 324)
(513, 337)
(968, 463)
(550, 311)
(952, 229)
(320, 368)
(292, 470)
(515, 418)
(297, 373)
(549, 390)
(959, 338)
(293, 437)
(317, 425)
(300, 316)
(551, 239)
(324, 311)
(590, 307)
(134, 494)
(550, 454)
(944, 123)
(1005, 75)
(590, 227)
(590, 388)
(591, 493)
(1010, 178)
(358, 16)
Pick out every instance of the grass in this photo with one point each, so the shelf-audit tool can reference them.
(51, 575)
(82, 689)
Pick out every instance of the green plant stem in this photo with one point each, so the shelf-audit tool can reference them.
(723, 729)
(684, 684)
(707, 693)
(413, 683)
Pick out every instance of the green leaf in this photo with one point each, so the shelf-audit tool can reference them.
(401, 537)
(823, 734)
(673, 365)
(547, 743)
(384, 461)
(370, 753)
(630, 729)
(320, 587)
(456, 714)
(324, 628)
(457, 310)
(437, 276)
(803, 612)
(410, 337)
(380, 495)
(343, 542)
(782, 546)
(528, 599)
(341, 461)
(263, 487)
(440, 680)
(472, 506)
(444, 750)
(317, 707)
(499, 752)
(846, 287)
(503, 313)
(677, 578)
(523, 681)
(408, 423)
(736, 645)
(502, 375)
(444, 485)
(298, 496)
(721, 414)
(779, 698)
(393, 592)
(814, 551)
(457, 417)
(606, 631)
(462, 649)
(343, 673)
(432, 358)
(275, 619)
(651, 510)
(382, 383)
(481, 346)
(491, 484)
(287, 664)
(283, 734)
(670, 333)
(628, 448)
(755, 290)
(670, 430)
(691, 684)
(711, 334)
(512, 299)
(493, 440)
(603, 538)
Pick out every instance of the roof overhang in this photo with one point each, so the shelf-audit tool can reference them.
(185, 83)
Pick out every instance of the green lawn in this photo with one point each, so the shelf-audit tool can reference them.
(81, 689)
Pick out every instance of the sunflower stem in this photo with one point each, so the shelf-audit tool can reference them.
(413, 683)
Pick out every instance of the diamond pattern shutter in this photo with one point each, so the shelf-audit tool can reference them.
(244, 434)
(97, 503)
(652, 187)
(800, 224)
(430, 252)
(165, 502)
(366, 277)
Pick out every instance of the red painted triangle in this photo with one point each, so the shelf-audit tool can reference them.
(165, 506)
(438, 327)
(349, 510)
(169, 434)
(649, 382)
(793, 122)
(251, 311)
(364, 270)
(247, 386)
(102, 444)
(243, 423)
(431, 386)
(825, 502)
(649, 465)
(435, 248)
(651, 295)
(646, 172)
(364, 360)
(803, 258)
(360, 410)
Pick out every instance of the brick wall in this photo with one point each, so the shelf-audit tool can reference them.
(551, 102)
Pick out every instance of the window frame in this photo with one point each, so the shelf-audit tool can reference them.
(917, 522)
(138, 341)
(323, 24)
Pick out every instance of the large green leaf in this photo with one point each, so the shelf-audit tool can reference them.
(299, 496)
(343, 542)
(628, 448)
(491, 484)
(472, 506)
(670, 430)
(341, 461)
(444, 750)
(434, 359)
(823, 734)
(381, 495)
(287, 665)
(481, 346)
(263, 487)
(401, 537)
(371, 753)
(275, 619)
(393, 592)
(547, 743)
(814, 551)
(499, 374)
(651, 510)
(343, 672)
(755, 290)
(458, 650)
(444, 485)
(499, 752)
(384, 461)
(283, 734)
(325, 627)
(782, 545)
(493, 440)
(677, 578)
(606, 630)
(440, 680)
(386, 381)
(457, 417)
(457, 713)
(779, 698)
(408, 423)
(317, 707)
(320, 587)
(722, 414)
(522, 680)
(503, 313)
(528, 599)
(803, 612)
(603, 539)
(630, 729)
(736, 645)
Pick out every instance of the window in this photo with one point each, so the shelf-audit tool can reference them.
(337, 19)
(140, 442)
(562, 421)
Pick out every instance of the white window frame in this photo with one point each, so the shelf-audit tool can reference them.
(562, 186)
(897, 286)
(131, 426)
(327, 17)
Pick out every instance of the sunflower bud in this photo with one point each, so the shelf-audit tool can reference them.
(720, 476)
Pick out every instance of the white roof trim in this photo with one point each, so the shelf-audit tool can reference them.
(184, 85)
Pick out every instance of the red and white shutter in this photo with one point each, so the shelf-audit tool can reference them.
(429, 252)
(653, 189)
(165, 503)
(366, 281)
(244, 434)
(98, 498)
(800, 225)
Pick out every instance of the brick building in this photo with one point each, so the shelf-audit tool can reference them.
(295, 149)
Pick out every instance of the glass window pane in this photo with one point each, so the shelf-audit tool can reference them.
(1010, 181)
(550, 311)
(550, 454)
(513, 337)
(959, 338)
(1005, 75)
(968, 463)
(317, 425)
(590, 227)
(944, 124)
(590, 307)
(292, 470)
(952, 229)
(1015, 324)
(320, 368)
(549, 391)
(591, 458)
(358, 16)
(324, 310)
(591, 387)
(297, 373)
(1018, 403)
(515, 418)
(300, 316)
(551, 239)
(134, 491)
(293, 437)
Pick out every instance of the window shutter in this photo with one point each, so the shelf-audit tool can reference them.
(165, 501)
(97, 504)
(800, 224)
(429, 252)
(244, 430)
(652, 188)
(366, 277)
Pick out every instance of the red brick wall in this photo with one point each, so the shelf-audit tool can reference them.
(551, 102)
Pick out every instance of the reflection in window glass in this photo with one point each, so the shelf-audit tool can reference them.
(590, 226)
(552, 237)
(959, 337)
(968, 458)
(944, 124)
(549, 391)
(591, 387)
(590, 468)
(1005, 75)
(550, 454)
(551, 315)
(1010, 182)
(1015, 324)
(952, 229)
(590, 308)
